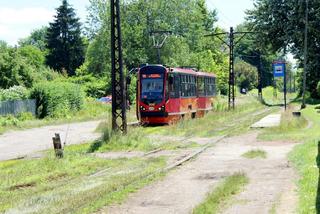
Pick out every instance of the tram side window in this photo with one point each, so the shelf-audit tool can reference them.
(200, 82)
(188, 86)
(183, 86)
(174, 86)
(209, 86)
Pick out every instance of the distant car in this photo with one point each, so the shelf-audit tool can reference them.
(243, 91)
(107, 99)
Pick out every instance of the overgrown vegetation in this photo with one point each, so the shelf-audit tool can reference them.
(221, 195)
(55, 99)
(14, 93)
(258, 153)
(92, 110)
(86, 182)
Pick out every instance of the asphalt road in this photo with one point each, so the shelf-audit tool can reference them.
(17, 144)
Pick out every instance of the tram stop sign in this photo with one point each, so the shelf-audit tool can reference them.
(279, 68)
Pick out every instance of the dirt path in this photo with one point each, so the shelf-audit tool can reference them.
(16, 144)
(183, 189)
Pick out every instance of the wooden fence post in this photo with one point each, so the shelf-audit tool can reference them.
(57, 146)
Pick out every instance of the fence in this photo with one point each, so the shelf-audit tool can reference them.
(17, 106)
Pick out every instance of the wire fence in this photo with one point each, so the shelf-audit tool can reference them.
(17, 106)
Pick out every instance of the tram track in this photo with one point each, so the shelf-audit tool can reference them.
(191, 156)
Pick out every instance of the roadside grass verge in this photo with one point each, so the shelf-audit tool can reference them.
(304, 156)
(92, 111)
(85, 182)
(258, 153)
(221, 195)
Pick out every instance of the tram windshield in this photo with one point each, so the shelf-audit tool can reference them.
(152, 88)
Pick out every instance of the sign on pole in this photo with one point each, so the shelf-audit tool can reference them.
(279, 68)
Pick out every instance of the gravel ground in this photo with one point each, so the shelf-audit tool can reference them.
(271, 181)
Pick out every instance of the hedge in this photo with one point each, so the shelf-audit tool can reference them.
(57, 99)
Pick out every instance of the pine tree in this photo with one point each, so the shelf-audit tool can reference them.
(64, 42)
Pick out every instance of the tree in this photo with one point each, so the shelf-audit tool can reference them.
(64, 42)
(246, 75)
(37, 39)
(281, 25)
(260, 55)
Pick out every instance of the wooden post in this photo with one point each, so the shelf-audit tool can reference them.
(57, 146)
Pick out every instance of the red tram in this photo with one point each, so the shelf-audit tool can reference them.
(166, 95)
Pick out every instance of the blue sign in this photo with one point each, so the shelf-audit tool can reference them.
(279, 68)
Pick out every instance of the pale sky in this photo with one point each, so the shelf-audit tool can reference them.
(19, 17)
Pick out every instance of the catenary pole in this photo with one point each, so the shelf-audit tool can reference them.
(119, 121)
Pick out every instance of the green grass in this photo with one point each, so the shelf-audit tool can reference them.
(215, 123)
(218, 122)
(304, 156)
(45, 185)
(273, 98)
(255, 154)
(222, 194)
(291, 128)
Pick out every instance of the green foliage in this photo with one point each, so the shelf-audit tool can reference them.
(12, 121)
(33, 54)
(246, 75)
(36, 39)
(8, 120)
(22, 66)
(284, 29)
(14, 93)
(191, 20)
(65, 45)
(318, 88)
(24, 116)
(57, 99)
(92, 86)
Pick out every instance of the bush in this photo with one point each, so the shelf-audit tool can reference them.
(57, 99)
(318, 89)
(8, 120)
(14, 93)
(24, 116)
(93, 86)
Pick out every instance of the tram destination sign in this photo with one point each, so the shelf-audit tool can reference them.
(279, 68)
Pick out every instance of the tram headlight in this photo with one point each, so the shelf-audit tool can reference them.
(142, 108)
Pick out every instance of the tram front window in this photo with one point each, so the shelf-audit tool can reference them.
(152, 89)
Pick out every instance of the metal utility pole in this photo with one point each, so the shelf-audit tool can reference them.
(231, 44)
(119, 121)
(260, 78)
(231, 94)
(285, 88)
(305, 56)
(158, 43)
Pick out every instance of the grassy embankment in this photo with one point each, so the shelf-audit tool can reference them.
(305, 156)
(221, 195)
(78, 183)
